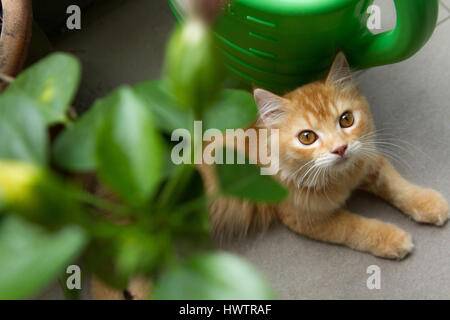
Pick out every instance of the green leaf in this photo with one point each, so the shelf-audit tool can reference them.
(74, 149)
(217, 276)
(23, 134)
(246, 182)
(129, 149)
(168, 114)
(31, 258)
(52, 83)
(234, 109)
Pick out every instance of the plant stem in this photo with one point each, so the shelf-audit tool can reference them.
(99, 203)
(73, 294)
(70, 117)
(175, 184)
(6, 78)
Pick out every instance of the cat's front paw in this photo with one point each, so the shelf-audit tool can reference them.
(392, 242)
(429, 206)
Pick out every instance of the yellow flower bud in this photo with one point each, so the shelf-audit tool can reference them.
(17, 181)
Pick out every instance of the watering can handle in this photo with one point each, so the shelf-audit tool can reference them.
(416, 21)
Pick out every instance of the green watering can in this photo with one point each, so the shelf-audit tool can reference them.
(282, 44)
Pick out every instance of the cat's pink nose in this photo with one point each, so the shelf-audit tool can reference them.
(340, 151)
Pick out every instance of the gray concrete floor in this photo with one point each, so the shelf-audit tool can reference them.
(123, 42)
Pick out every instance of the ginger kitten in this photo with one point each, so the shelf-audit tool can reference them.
(327, 150)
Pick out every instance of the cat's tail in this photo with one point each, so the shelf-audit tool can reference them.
(232, 217)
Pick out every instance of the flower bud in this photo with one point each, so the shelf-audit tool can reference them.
(17, 183)
(207, 10)
(192, 68)
(38, 196)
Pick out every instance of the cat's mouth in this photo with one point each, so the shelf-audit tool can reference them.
(342, 161)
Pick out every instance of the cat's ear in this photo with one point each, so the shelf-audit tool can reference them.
(340, 73)
(271, 106)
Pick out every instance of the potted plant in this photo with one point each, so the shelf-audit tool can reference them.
(156, 224)
(17, 20)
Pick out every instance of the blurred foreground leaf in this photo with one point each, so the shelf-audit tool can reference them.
(217, 276)
(52, 84)
(168, 114)
(233, 109)
(31, 258)
(74, 149)
(246, 182)
(129, 149)
(23, 134)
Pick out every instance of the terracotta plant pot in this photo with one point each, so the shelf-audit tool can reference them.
(15, 35)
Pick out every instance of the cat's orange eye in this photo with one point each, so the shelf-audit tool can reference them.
(347, 120)
(307, 137)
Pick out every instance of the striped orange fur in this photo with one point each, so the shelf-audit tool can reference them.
(322, 176)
